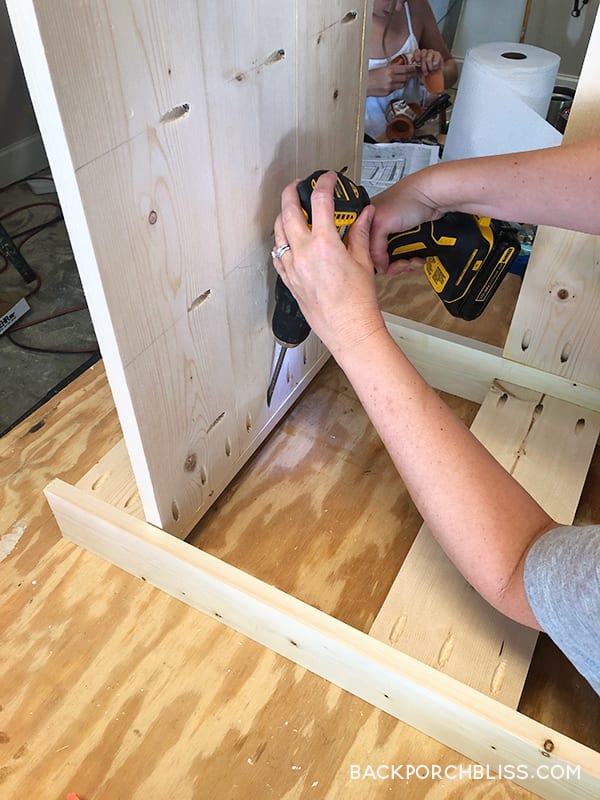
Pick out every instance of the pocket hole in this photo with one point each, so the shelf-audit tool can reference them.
(199, 300)
(579, 425)
(203, 476)
(349, 17)
(502, 399)
(228, 446)
(175, 113)
(526, 340)
(100, 481)
(248, 422)
(276, 55)
(175, 510)
(133, 498)
(565, 353)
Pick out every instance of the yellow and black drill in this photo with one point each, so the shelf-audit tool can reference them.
(466, 258)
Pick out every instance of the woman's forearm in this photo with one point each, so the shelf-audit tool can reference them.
(558, 186)
(483, 519)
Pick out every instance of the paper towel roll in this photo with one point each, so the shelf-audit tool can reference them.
(502, 100)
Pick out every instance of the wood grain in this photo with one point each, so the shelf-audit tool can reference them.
(431, 612)
(446, 709)
(555, 326)
(171, 131)
(111, 687)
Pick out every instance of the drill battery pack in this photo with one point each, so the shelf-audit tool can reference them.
(466, 258)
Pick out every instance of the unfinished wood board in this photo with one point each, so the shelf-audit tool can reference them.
(431, 612)
(171, 129)
(454, 714)
(465, 368)
(556, 322)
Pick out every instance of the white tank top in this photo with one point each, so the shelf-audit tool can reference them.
(410, 45)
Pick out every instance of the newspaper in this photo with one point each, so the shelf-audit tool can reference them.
(385, 164)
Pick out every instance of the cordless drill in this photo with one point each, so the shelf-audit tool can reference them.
(290, 328)
(466, 258)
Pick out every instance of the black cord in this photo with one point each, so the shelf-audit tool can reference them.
(37, 228)
(44, 350)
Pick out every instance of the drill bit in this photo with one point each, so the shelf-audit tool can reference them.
(276, 371)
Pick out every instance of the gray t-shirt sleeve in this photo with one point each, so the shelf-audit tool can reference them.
(562, 583)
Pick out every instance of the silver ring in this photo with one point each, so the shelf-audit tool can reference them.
(280, 251)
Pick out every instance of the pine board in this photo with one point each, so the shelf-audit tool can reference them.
(556, 322)
(171, 129)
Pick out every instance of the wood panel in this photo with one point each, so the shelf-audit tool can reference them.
(171, 129)
(556, 322)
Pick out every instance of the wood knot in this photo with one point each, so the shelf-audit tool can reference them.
(191, 462)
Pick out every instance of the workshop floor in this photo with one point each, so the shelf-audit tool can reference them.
(47, 348)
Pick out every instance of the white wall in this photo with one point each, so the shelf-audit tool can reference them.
(21, 148)
(488, 21)
(550, 26)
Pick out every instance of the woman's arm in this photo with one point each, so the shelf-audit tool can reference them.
(558, 186)
(484, 520)
(433, 53)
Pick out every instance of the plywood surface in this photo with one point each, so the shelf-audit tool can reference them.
(110, 687)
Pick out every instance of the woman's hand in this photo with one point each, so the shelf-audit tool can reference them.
(400, 208)
(333, 284)
(385, 80)
(428, 61)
